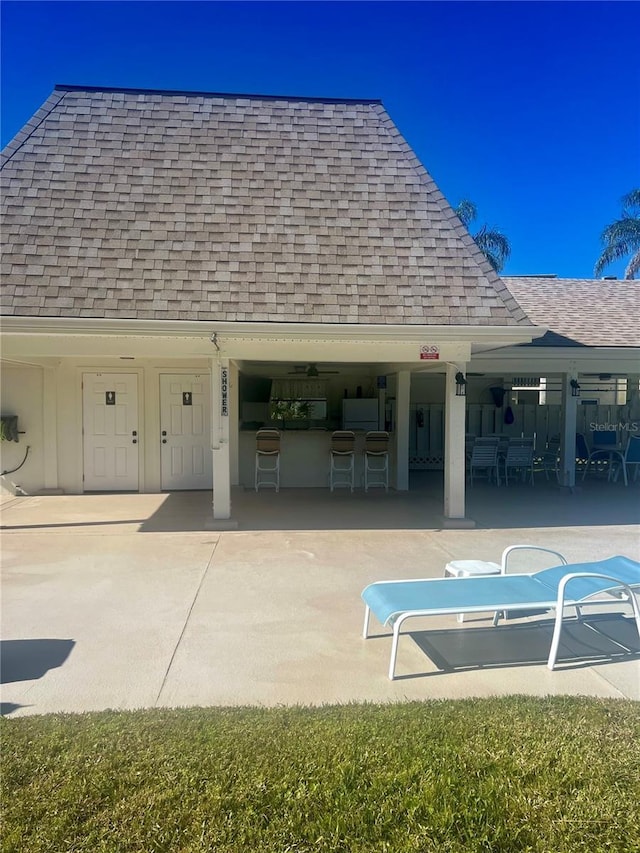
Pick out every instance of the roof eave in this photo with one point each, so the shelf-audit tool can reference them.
(12, 324)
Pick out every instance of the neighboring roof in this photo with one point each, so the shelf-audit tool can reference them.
(195, 206)
(579, 311)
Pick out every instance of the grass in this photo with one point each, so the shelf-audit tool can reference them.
(505, 774)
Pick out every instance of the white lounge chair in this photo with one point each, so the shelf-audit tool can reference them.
(605, 583)
(474, 568)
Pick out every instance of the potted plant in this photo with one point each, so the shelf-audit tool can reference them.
(289, 410)
(9, 428)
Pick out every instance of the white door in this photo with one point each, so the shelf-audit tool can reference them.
(185, 434)
(110, 432)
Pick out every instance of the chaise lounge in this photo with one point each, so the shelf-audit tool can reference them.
(606, 583)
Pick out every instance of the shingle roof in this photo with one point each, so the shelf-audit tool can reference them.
(580, 312)
(156, 205)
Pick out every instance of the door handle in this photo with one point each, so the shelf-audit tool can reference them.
(135, 432)
(164, 440)
(135, 441)
(164, 432)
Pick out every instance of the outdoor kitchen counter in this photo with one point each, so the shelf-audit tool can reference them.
(304, 458)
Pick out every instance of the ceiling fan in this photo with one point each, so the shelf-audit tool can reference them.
(310, 370)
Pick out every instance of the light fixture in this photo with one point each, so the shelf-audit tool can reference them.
(461, 385)
(575, 388)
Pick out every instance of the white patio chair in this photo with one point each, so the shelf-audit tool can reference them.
(550, 457)
(519, 458)
(630, 459)
(484, 461)
(605, 451)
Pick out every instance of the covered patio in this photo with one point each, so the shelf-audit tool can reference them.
(593, 502)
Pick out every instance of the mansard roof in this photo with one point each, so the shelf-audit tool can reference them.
(157, 205)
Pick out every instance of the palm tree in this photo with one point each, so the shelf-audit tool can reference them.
(622, 237)
(493, 245)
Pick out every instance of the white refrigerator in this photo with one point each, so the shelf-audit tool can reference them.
(360, 414)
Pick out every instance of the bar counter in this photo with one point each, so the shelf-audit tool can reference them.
(304, 458)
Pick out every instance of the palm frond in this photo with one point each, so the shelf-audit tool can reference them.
(620, 239)
(633, 267)
(494, 246)
(466, 212)
(493, 261)
(609, 256)
(625, 230)
(630, 201)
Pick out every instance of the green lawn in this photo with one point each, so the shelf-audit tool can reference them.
(508, 774)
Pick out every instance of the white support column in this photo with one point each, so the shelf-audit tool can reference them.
(234, 424)
(220, 417)
(454, 448)
(382, 402)
(403, 396)
(50, 421)
(568, 434)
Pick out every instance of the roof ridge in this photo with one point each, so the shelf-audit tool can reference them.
(67, 87)
(555, 279)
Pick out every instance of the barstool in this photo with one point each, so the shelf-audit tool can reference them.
(268, 458)
(341, 459)
(376, 460)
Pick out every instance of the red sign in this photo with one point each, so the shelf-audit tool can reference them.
(429, 352)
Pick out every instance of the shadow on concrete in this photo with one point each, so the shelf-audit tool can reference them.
(7, 708)
(517, 506)
(25, 660)
(181, 512)
(420, 508)
(70, 524)
(593, 504)
(599, 638)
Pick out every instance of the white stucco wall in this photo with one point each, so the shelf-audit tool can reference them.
(48, 401)
(22, 395)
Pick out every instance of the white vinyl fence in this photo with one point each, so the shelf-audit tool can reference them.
(426, 429)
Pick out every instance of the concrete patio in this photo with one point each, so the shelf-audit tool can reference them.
(97, 615)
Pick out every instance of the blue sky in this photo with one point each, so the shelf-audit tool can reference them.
(531, 110)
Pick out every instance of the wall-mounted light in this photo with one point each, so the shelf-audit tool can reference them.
(461, 385)
(575, 388)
